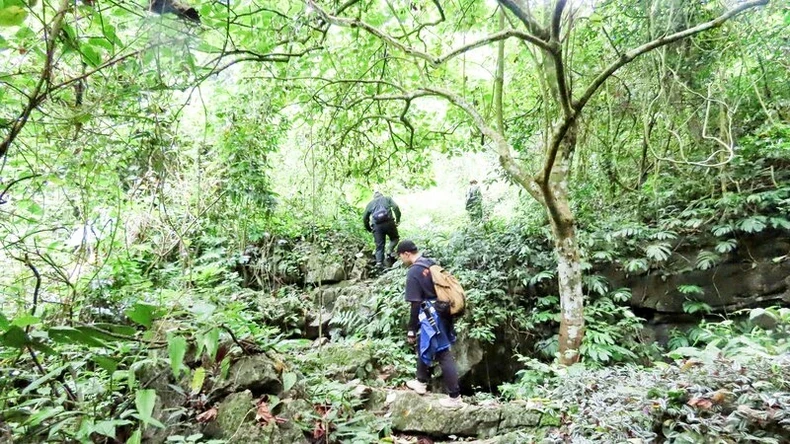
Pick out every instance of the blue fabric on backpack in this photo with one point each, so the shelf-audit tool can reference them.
(435, 335)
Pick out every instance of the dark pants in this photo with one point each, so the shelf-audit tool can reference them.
(449, 372)
(381, 231)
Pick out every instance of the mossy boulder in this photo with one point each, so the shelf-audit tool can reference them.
(412, 413)
(236, 423)
(258, 373)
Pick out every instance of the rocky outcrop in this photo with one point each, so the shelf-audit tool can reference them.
(755, 274)
(324, 268)
(415, 414)
(236, 422)
(257, 373)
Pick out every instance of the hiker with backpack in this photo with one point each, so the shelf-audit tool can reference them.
(434, 297)
(384, 214)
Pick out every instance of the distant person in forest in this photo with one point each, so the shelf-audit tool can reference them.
(431, 331)
(381, 217)
(474, 201)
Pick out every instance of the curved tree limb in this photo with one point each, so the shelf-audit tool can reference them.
(630, 55)
(435, 61)
(562, 129)
(46, 75)
(524, 15)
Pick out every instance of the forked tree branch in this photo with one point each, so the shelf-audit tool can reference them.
(562, 129)
(556, 19)
(46, 75)
(630, 55)
(524, 15)
(501, 146)
(433, 60)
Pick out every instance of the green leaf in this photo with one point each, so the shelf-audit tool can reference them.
(107, 428)
(197, 380)
(12, 16)
(90, 55)
(658, 252)
(145, 400)
(4, 324)
(25, 320)
(142, 313)
(753, 224)
(69, 335)
(15, 337)
(108, 364)
(44, 379)
(176, 348)
(210, 340)
(136, 437)
(289, 379)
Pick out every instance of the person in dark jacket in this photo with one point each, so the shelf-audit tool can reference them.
(421, 295)
(381, 217)
(474, 201)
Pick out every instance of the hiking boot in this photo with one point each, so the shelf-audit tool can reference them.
(419, 387)
(452, 403)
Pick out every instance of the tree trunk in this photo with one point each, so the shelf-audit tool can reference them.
(569, 275)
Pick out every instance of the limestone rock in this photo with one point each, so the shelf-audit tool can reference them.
(341, 361)
(257, 373)
(236, 422)
(413, 413)
(323, 269)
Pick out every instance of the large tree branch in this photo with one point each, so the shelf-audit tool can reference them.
(435, 61)
(556, 19)
(46, 75)
(501, 146)
(628, 56)
(562, 129)
(524, 15)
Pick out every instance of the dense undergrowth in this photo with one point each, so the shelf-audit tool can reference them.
(81, 380)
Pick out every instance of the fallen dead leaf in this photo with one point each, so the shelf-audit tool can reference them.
(207, 416)
(702, 403)
(264, 416)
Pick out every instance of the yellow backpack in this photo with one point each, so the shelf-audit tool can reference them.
(448, 289)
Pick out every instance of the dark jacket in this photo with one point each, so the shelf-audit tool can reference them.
(383, 201)
(419, 288)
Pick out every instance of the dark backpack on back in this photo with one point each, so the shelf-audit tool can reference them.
(381, 211)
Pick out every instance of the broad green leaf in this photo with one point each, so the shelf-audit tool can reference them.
(4, 324)
(69, 335)
(108, 364)
(145, 400)
(90, 55)
(142, 313)
(210, 340)
(15, 337)
(176, 348)
(25, 320)
(289, 379)
(12, 16)
(136, 437)
(197, 380)
(117, 328)
(107, 428)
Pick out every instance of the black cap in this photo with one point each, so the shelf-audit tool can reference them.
(405, 246)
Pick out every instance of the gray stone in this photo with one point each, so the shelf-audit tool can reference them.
(257, 373)
(340, 361)
(323, 269)
(359, 270)
(412, 413)
(236, 423)
(468, 353)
